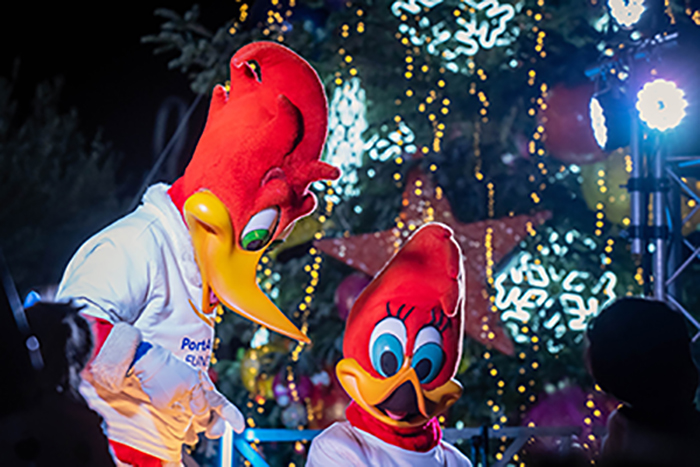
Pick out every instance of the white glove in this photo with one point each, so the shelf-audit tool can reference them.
(167, 380)
(220, 410)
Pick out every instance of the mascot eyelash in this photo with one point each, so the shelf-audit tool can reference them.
(441, 321)
(398, 312)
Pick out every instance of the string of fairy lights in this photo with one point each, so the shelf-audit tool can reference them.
(499, 410)
(527, 357)
(434, 104)
(478, 88)
(535, 145)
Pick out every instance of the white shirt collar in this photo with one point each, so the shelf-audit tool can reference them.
(157, 201)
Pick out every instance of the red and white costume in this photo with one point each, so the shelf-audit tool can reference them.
(359, 448)
(151, 282)
(141, 270)
(401, 349)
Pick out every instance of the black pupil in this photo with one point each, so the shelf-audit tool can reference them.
(423, 368)
(389, 363)
(255, 245)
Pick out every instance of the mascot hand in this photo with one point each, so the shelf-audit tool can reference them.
(220, 410)
(167, 380)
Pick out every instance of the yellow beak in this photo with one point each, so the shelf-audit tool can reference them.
(227, 270)
(369, 392)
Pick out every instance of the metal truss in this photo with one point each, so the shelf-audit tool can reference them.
(657, 185)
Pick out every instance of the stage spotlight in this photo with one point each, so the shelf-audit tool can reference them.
(661, 104)
(626, 12)
(610, 119)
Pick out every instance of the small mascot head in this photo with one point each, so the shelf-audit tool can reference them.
(403, 339)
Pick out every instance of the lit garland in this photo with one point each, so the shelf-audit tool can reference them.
(483, 112)
(346, 29)
(313, 269)
(381, 146)
(498, 412)
(476, 145)
(535, 145)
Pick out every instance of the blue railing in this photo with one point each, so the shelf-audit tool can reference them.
(231, 442)
(477, 437)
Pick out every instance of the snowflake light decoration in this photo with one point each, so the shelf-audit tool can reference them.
(347, 123)
(477, 25)
(541, 294)
(393, 144)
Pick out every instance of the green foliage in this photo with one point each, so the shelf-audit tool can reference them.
(56, 185)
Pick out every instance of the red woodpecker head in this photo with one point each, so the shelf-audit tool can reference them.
(403, 339)
(248, 180)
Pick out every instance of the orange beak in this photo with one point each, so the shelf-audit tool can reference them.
(372, 393)
(227, 270)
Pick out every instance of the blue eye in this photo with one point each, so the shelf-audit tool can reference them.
(428, 356)
(427, 362)
(387, 355)
(387, 346)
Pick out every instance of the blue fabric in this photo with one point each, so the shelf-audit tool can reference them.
(32, 298)
(141, 351)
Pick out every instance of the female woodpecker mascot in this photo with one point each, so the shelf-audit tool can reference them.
(402, 346)
(152, 282)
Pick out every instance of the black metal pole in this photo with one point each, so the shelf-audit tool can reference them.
(660, 229)
(20, 349)
(156, 166)
(638, 195)
(485, 445)
(675, 251)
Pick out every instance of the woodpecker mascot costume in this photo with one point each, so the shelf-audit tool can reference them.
(402, 346)
(151, 283)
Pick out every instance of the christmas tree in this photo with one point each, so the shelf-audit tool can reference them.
(474, 114)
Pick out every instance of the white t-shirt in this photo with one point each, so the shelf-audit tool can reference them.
(141, 270)
(342, 444)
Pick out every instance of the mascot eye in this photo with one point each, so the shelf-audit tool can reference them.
(387, 346)
(259, 230)
(428, 355)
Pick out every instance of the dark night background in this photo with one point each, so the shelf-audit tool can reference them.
(113, 80)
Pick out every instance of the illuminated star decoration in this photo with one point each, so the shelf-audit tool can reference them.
(424, 203)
